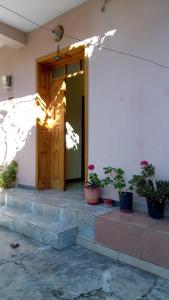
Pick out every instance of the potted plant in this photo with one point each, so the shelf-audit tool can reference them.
(124, 188)
(8, 175)
(155, 191)
(107, 202)
(92, 187)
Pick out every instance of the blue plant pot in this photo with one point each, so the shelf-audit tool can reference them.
(126, 202)
(155, 209)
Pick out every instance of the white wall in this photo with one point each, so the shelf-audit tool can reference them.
(128, 98)
(74, 93)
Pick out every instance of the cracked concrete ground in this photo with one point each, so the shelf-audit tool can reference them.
(37, 272)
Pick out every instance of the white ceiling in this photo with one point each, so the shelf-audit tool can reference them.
(40, 11)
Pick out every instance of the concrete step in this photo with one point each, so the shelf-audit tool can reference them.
(58, 234)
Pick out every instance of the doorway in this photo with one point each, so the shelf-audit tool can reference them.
(75, 131)
(61, 143)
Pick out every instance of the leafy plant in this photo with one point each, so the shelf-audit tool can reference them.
(94, 180)
(147, 186)
(116, 177)
(8, 175)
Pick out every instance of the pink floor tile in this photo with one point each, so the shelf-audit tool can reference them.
(107, 232)
(135, 234)
(155, 248)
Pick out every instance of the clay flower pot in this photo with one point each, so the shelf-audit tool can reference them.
(107, 202)
(92, 195)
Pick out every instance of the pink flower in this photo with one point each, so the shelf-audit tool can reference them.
(91, 167)
(144, 163)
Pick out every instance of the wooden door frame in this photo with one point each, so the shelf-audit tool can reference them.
(86, 86)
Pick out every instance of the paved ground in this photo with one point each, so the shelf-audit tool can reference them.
(36, 272)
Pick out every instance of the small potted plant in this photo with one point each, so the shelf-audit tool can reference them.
(92, 187)
(155, 191)
(8, 175)
(124, 188)
(107, 202)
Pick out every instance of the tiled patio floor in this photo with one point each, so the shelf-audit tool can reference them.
(37, 272)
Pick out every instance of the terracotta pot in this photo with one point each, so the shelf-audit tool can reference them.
(92, 195)
(107, 202)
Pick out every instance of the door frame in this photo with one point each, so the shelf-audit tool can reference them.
(86, 108)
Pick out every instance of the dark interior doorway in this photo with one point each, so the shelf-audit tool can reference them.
(75, 131)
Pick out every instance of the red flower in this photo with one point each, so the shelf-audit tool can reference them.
(144, 163)
(91, 167)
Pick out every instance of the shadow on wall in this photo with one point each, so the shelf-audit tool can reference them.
(96, 41)
(25, 158)
(17, 118)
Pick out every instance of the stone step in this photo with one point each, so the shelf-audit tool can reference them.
(58, 235)
(56, 207)
(27, 205)
(52, 212)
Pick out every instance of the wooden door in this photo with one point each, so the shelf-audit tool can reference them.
(44, 158)
(58, 105)
(43, 130)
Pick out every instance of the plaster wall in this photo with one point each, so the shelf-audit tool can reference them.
(128, 97)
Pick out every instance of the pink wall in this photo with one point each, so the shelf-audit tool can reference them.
(128, 98)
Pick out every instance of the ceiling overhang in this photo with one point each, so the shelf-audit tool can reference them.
(10, 36)
(19, 17)
(19, 13)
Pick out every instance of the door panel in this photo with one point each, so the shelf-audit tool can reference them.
(44, 159)
(58, 105)
(51, 131)
(44, 83)
(43, 131)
